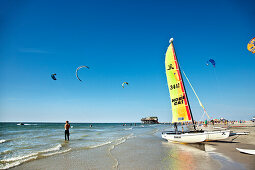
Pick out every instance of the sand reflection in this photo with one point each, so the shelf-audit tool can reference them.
(185, 156)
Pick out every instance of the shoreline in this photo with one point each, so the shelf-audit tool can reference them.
(150, 151)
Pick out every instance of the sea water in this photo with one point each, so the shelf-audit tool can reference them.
(22, 143)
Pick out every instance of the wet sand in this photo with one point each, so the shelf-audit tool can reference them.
(228, 147)
(149, 151)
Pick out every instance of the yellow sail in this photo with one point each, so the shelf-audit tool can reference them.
(180, 107)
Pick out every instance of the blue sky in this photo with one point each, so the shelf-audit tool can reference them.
(123, 41)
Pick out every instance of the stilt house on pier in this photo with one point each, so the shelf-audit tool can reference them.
(150, 120)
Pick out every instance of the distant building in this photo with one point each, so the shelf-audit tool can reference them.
(150, 120)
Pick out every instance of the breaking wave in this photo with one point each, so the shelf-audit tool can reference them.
(128, 128)
(26, 124)
(99, 145)
(14, 161)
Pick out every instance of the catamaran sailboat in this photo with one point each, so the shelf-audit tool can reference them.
(181, 111)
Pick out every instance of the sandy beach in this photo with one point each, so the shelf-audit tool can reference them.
(149, 151)
(228, 147)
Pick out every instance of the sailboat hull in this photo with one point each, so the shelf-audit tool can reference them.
(217, 135)
(184, 137)
(248, 151)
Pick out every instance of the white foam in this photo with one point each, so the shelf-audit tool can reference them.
(2, 141)
(152, 125)
(11, 162)
(99, 130)
(120, 141)
(19, 158)
(123, 139)
(56, 148)
(26, 124)
(130, 136)
(54, 153)
(101, 144)
(5, 152)
(9, 165)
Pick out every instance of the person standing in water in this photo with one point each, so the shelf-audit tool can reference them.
(67, 126)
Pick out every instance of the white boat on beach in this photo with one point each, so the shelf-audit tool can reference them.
(216, 135)
(184, 137)
(238, 133)
(247, 151)
(196, 137)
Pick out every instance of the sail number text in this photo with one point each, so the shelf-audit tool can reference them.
(174, 86)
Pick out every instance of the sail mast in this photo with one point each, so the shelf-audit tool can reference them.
(184, 87)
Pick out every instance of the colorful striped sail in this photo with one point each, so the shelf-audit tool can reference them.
(251, 46)
(180, 106)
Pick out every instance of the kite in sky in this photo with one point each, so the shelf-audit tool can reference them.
(212, 62)
(124, 84)
(251, 46)
(79, 69)
(53, 76)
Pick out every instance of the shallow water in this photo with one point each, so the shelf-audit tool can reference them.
(104, 146)
(22, 143)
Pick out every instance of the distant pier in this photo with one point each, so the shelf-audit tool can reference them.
(150, 120)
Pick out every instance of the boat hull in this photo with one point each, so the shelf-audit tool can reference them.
(247, 151)
(184, 137)
(217, 135)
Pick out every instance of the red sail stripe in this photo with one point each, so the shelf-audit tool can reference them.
(185, 100)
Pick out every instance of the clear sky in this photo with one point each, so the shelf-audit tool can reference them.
(123, 41)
